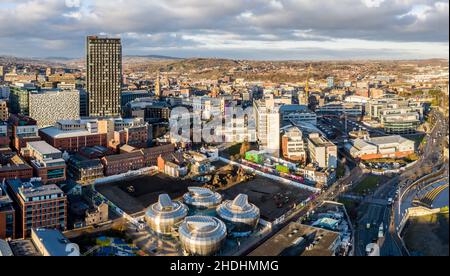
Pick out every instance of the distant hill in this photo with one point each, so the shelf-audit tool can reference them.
(154, 57)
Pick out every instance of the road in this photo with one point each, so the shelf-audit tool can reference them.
(377, 212)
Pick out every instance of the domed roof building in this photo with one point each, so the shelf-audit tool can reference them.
(165, 214)
(239, 215)
(202, 235)
(202, 198)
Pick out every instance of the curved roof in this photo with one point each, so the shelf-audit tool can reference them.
(239, 210)
(203, 228)
(166, 208)
(202, 197)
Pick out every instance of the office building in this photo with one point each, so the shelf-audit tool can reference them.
(73, 135)
(341, 108)
(4, 113)
(83, 169)
(122, 163)
(381, 147)
(19, 98)
(7, 215)
(12, 166)
(322, 151)
(293, 146)
(24, 130)
(104, 76)
(149, 109)
(151, 154)
(129, 96)
(37, 205)
(46, 161)
(4, 135)
(267, 118)
(49, 106)
(330, 82)
(83, 103)
(297, 114)
(5, 91)
(137, 136)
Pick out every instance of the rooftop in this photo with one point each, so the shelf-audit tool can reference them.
(5, 249)
(320, 141)
(123, 156)
(53, 241)
(43, 147)
(57, 133)
(24, 248)
(395, 139)
(32, 188)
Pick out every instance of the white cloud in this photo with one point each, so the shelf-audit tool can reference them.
(270, 26)
(373, 3)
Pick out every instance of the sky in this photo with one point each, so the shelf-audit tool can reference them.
(236, 29)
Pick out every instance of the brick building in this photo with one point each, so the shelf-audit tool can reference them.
(37, 206)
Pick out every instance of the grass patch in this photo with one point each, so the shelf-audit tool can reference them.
(428, 235)
(369, 184)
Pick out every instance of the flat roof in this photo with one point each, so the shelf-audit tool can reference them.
(29, 189)
(394, 139)
(43, 147)
(5, 249)
(53, 240)
(321, 141)
(299, 240)
(57, 133)
(24, 248)
(123, 156)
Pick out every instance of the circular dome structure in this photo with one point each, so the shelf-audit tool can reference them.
(202, 198)
(202, 235)
(240, 215)
(163, 215)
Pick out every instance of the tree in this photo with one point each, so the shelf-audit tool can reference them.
(245, 147)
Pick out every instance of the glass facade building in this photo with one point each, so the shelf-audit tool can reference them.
(202, 236)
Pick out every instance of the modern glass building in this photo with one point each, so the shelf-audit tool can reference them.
(201, 235)
(163, 216)
(19, 98)
(240, 216)
(202, 198)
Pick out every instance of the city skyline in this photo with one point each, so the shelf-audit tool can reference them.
(255, 30)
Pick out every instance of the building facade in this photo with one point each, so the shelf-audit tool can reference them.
(4, 112)
(37, 206)
(7, 215)
(46, 161)
(293, 146)
(267, 119)
(49, 106)
(24, 129)
(84, 169)
(322, 152)
(122, 163)
(104, 76)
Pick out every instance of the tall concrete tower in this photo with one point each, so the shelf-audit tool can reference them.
(104, 76)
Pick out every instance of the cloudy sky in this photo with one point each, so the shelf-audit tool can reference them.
(242, 29)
